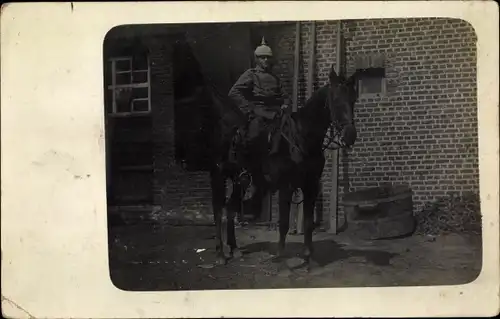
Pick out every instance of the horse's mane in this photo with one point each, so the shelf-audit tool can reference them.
(310, 110)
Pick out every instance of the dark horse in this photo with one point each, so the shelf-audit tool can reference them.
(329, 109)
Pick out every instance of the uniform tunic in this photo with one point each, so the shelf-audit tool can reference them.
(257, 90)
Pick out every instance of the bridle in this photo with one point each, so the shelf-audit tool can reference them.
(333, 139)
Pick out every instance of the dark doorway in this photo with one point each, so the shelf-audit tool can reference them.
(194, 112)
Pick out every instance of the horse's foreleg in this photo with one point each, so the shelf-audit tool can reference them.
(309, 200)
(218, 199)
(285, 197)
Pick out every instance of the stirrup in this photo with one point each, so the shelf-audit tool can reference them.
(250, 192)
(245, 172)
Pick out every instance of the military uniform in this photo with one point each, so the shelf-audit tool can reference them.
(259, 94)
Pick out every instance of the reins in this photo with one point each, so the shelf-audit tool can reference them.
(334, 130)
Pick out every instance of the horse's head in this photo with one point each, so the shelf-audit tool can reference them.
(341, 97)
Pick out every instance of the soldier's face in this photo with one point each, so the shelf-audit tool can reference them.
(264, 61)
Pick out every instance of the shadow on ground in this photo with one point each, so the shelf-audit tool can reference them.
(325, 253)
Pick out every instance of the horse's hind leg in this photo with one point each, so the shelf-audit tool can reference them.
(218, 199)
(285, 197)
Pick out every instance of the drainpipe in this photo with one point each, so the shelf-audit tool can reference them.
(296, 66)
(312, 60)
(335, 153)
(296, 211)
(309, 90)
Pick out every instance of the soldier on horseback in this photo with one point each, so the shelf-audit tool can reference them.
(259, 94)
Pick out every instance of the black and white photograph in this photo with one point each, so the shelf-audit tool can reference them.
(256, 159)
(306, 154)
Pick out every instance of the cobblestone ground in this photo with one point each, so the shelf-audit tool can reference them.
(162, 257)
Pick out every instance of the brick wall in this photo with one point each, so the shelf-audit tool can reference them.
(424, 130)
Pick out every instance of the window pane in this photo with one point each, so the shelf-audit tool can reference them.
(123, 100)
(141, 106)
(123, 65)
(122, 107)
(371, 85)
(140, 93)
(123, 78)
(140, 62)
(140, 77)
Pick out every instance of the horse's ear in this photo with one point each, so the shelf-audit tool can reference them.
(352, 83)
(333, 77)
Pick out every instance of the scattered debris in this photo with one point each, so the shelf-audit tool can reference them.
(206, 266)
(200, 250)
(431, 238)
(453, 214)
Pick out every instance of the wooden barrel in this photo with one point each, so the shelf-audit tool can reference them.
(380, 212)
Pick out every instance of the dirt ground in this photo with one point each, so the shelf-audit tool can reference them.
(148, 256)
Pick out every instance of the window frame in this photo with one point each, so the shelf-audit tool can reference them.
(363, 65)
(382, 92)
(114, 87)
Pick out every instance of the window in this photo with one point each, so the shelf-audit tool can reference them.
(372, 79)
(129, 90)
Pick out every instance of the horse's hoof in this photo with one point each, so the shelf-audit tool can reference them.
(221, 261)
(236, 253)
(307, 254)
(313, 268)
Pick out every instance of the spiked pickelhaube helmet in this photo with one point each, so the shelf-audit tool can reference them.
(263, 49)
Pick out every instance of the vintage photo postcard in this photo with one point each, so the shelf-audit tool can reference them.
(250, 159)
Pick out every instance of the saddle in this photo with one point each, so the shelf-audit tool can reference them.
(286, 129)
